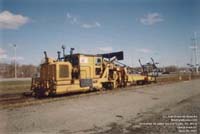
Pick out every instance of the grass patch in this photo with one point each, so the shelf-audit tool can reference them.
(14, 83)
(8, 87)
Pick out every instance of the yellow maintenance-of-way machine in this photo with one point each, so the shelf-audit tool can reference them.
(83, 72)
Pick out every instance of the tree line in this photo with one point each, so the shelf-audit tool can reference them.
(23, 71)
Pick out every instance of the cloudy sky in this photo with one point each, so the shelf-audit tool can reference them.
(161, 29)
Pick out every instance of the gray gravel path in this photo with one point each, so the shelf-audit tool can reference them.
(114, 112)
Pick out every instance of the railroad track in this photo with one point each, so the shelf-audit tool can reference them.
(10, 101)
(19, 100)
(13, 101)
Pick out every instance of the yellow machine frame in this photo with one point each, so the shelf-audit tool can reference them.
(80, 73)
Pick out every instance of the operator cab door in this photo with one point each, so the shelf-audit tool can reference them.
(85, 67)
(85, 72)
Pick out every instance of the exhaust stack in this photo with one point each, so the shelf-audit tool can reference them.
(45, 56)
(63, 47)
(59, 55)
(71, 51)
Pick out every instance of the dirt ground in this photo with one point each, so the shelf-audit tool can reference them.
(126, 111)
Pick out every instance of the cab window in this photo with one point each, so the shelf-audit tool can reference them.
(98, 61)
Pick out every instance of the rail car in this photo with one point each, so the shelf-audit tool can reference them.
(83, 72)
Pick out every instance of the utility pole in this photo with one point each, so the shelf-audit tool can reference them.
(196, 52)
(15, 53)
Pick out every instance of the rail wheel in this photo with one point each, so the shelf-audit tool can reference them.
(38, 92)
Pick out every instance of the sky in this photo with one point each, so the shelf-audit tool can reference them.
(142, 29)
